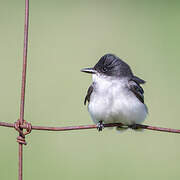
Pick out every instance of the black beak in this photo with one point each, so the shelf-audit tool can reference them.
(89, 70)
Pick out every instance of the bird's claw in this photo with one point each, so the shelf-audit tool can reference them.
(134, 126)
(100, 126)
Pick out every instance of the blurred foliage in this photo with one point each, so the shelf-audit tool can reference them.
(64, 37)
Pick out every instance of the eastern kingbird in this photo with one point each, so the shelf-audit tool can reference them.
(115, 96)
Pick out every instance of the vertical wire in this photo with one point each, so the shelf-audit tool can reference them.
(21, 119)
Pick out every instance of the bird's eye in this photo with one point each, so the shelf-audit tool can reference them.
(104, 69)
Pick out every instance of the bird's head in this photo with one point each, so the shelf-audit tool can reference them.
(110, 65)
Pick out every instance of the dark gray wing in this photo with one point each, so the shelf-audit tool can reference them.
(88, 95)
(138, 80)
(136, 89)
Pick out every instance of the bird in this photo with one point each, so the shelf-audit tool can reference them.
(115, 95)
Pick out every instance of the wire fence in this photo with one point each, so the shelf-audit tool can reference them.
(23, 127)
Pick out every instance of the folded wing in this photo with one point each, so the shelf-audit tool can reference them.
(88, 95)
(134, 86)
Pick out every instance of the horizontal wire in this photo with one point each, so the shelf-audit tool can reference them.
(81, 127)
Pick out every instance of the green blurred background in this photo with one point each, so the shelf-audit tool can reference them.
(65, 36)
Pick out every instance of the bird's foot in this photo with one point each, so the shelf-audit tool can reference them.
(134, 126)
(100, 126)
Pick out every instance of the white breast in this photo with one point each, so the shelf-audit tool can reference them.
(111, 101)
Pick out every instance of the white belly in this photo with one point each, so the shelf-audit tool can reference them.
(111, 102)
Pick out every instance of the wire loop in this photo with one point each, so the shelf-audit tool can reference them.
(22, 134)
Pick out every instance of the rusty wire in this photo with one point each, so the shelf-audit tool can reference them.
(24, 127)
(20, 121)
(81, 127)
